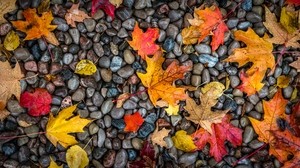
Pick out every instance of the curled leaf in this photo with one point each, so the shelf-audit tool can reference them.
(53, 164)
(158, 137)
(183, 141)
(85, 67)
(77, 157)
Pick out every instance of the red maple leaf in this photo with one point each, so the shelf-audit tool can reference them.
(38, 102)
(133, 122)
(220, 133)
(108, 8)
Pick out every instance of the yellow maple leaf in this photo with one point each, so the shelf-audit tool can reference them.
(58, 128)
(37, 26)
(77, 157)
(288, 18)
(159, 82)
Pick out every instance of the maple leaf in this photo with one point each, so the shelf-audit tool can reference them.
(9, 83)
(258, 51)
(296, 64)
(108, 8)
(202, 114)
(36, 27)
(158, 136)
(159, 82)
(58, 128)
(183, 141)
(74, 14)
(273, 110)
(289, 18)
(294, 120)
(220, 133)
(280, 34)
(144, 43)
(293, 2)
(77, 157)
(250, 84)
(133, 122)
(5, 7)
(38, 102)
(206, 22)
(147, 153)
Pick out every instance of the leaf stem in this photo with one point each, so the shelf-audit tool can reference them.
(130, 95)
(20, 136)
(251, 154)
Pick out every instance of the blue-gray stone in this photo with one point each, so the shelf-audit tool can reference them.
(169, 44)
(247, 5)
(131, 154)
(116, 63)
(119, 123)
(145, 130)
(136, 66)
(244, 25)
(208, 59)
(36, 52)
(151, 118)
(230, 104)
(112, 92)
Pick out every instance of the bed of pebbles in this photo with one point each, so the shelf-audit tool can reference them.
(104, 41)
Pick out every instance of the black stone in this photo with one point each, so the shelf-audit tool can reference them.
(99, 152)
(169, 44)
(66, 74)
(230, 104)
(36, 52)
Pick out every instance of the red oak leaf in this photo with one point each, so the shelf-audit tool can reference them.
(133, 122)
(38, 102)
(144, 43)
(108, 8)
(220, 133)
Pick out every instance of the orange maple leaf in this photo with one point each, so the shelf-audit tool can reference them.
(133, 122)
(144, 43)
(250, 84)
(159, 82)
(35, 26)
(74, 14)
(273, 110)
(206, 22)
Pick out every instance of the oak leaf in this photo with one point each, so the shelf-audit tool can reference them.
(258, 52)
(5, 7)
(159, 82)
(274, 109)
(38, 102)
(75, 15)
(108, 8)
(157, 137)
(77, 157)
(9, 83)
(220, 133)
(58, 128)
(133, 122)
(183, 141)
(202, 114)
(37, 26)
(280, 34)
(206, 22)
(144, 43)
(85, 67)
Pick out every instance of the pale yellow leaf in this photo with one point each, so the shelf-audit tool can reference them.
(11, 41)
(172, 110)
(85, 67)
(294, 94)
(121, 99)
(53, 164)
(77, 157)
(158, 137)
(288, 19)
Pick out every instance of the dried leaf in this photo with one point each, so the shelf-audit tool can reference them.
(58, 128)
(121, 99)
(5, 7)
(183, 141)
(133, 122)
(36, 27)
(296, 64)
(288, 19)
(144, 43)
(85, 67)
(283, 81)
(38, 102)
(117, 3)
(158, 137)
(11, 41)
(250, 84)
(75, 15)
(216, 89)
(77, 157)
(280, 34)
(108, 8)
(53, 164)
(43, 7)
(147, 154)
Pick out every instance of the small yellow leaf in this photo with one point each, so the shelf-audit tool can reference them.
(227, 83)
(283, 81)
(77, 157)
(11, 41)
(85, 67)
(294, 94)
(116, 3)
(44, 6)
(158, 137)
(288, 20)
(217, 88)
(183, 141)
(53, 164)
(172, 110)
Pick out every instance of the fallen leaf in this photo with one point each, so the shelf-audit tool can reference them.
(44, 6)
(147, 154)
(85, 67)
(288, 18)
(183, 141)
(38, 102)
(5, 7)
(202, 114)
(75, 15)
(294, 94)
(133, 122)
(159, 82)
(53, 164)
(296, 64)
(37, 26)
(9, 83)
(144, 43)
(250, 84)
(258, 52)
(206, 22)
(216, 89)
(273, 110)
(11, 41)
(280, 34)
(58, 128)
(117, 3)
(220, 133)
(108, 8)
(283, 81)
(158, 137)
(121, 99)
(172, 110)
(293, 2)
(77, 157)
(294, 120)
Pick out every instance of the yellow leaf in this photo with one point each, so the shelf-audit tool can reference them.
(216, 88)
(294, 94)
(116, 3)
(11, 41)
(288, 19)
(77, 157)
(183, 141)
(58, 128)
(85, 67)
(172, 110)
(158, 137)
(283, 81)
(227, 83)
(43, 7)
(53, 164)
(5, 7)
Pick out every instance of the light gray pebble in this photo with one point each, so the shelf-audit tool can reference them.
(287, 92)
(68, 58)
(205, 76)
(121, 159)
(101, 137)
(128, 24)
(117, 113)
(75, 35)
(187, 159)
(248, 134)
(107, 106)
(97, 99)
(126, 71)
(129, 105)
(89, 24)
(73, 83)
(234, 81)
(203, 49)
(163, 23)
(21, 54)
(254, 99)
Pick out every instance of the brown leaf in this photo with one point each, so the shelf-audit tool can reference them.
(296, 64)
(75, 15)
(158, 137)
(5, 7)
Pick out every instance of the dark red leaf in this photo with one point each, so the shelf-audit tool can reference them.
(108, 8)
(38, 102)
(147, 155)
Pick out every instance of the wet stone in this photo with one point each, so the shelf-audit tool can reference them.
(175, 15)
(85, 43)
(205, 76)
(14, 107)
(254, 99)
(124, 13)
(188, 159)
(145, 130)
(5, 28)
(234, 81)
(21, 54)
(106, 106)
(101, 137)
(89, 24)
(117, 113)
(151, 118)
(247, 5)
(73, 83)
(9, 149)
(131, 154)
(61, 24)
(68, 58)
(128, 24)
(163, 23)
(244, 25)
(10, 163)
(172, 31)
(232, 22)
(97, 99)
(287, 92)
(75, 35)
(129, 105)
(126, 71)
(78, 95)
(23, 154)
(208, 59)
(109, 158)
(230, 104)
